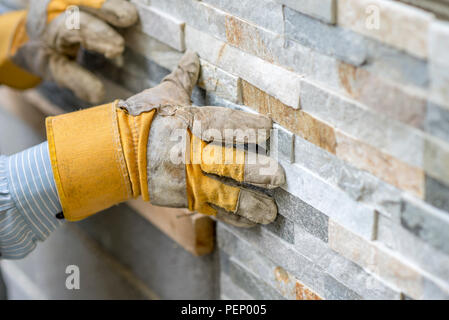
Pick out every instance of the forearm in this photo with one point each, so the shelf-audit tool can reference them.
(29, 201)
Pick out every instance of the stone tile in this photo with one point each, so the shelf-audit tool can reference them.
(439, 84)
(282, 255)
(434, 292)
(437, 121)
(137, 64)
(394, 64)
(324, 10)
(382, 61)
(335, 290)
(345, 271)
(424, 255)
(253, 39)
(271, 47)
(282, 84)
(379, 131)
(266, 14)
(220, 82)
(297, 121)
(377, 260)
(438, 42)
(253, 285)
(304, 293)
(269, 245)
(231, 291)
(283, 228)
(257, 262)
(395, 24)
(329, 200)
(151, 48)
(330, 40)
(163, 27)
(304, 215)
(384, 166)
(284, 141)
(195, 14)
(285, 283)
(438, 7)
(426, 222)
(437, 193)
(360, 185)
(436, 159)
(379, 94)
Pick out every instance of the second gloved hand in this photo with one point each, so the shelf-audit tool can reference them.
(45, 39)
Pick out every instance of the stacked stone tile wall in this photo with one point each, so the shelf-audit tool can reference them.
(359, 93)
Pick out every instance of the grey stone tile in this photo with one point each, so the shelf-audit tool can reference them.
(434, 292)
(406, 244)
(163, 27)
(355, 49)
(369, 127)
(282, 254)
(283, 228)
(253, 285)
(324, 10)
(230, 291)
(437, 194)
(253, 260)
(436, 158)
(358, 184)
(437, 121)
(329, 200)
(331, 40)
(343, 271)
(284, 142)
(427, 223)
(306, 216)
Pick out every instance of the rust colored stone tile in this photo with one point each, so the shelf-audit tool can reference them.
(285, 283)
(384, 166)
(248, 38)
(303, 293)
(297, 121)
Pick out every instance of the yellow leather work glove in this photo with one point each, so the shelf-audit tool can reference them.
(42, 42)
(157, 145)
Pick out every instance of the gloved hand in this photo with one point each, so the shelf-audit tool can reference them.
(42, 43)
(157, 145)
(202, 182)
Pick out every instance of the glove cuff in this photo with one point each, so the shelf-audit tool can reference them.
(12, 36)
(97, 159)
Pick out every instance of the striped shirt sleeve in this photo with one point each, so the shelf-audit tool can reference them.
(29, 201)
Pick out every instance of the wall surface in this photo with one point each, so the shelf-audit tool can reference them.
(359, 91)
